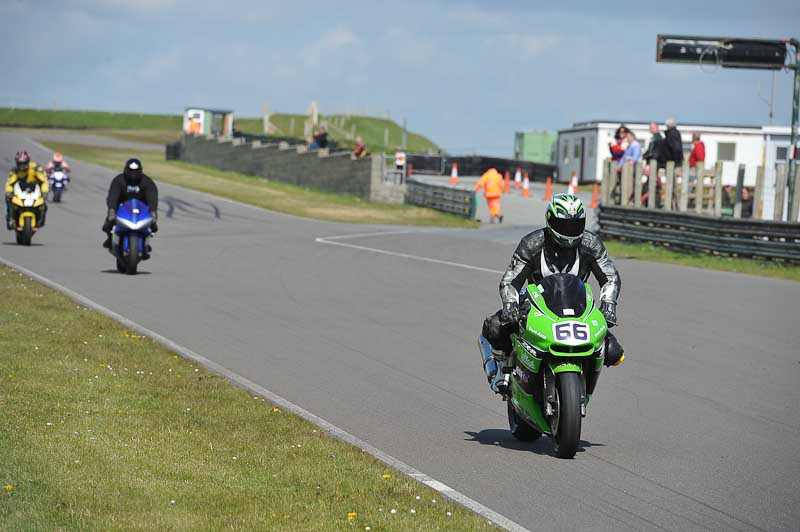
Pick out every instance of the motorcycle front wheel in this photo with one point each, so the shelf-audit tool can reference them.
(133, 255)
(567, 418)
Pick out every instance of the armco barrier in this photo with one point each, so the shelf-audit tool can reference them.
(747, 238)
(441, 197)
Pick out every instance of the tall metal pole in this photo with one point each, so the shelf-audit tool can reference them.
(793, 138)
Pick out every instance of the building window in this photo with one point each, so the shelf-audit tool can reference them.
(781, 152)
(726, 151)
(577, 149)
(566, 152)
(590, 148)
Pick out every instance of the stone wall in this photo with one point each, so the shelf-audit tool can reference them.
(331, 172)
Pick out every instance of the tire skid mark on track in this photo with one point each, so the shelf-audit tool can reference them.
(287, 405)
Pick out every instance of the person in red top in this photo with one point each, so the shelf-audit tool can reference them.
(698, 150)
(492, 184)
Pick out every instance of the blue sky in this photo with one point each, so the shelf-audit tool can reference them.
(467, 74)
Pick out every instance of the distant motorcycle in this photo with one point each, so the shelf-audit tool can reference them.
(129, 239)
(27, 204)
(58, 183)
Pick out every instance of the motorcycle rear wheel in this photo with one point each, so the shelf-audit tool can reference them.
(567, 429)
(57, 195)
(520, 428)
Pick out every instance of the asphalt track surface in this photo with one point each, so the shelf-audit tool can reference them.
(698, 430)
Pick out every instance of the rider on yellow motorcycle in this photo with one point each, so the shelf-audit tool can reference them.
(25, 171)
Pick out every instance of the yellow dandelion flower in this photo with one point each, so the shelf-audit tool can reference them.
(276, 409)
(351, 516)
(387, 475)
(9, 488)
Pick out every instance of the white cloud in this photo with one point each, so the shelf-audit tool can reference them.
(477, 17)
(328, 44)
(523, 44)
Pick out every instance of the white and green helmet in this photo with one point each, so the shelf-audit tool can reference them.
(566, 219)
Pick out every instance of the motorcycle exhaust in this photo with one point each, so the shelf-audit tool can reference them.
(489, 363)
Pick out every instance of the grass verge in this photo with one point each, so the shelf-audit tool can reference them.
(282, 197)
(106, 430)
(649, 252)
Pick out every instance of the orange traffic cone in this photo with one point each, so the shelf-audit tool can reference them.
(526, 186)
(573, 184)
(518, 178)
(548, 189)
(507, 183)
(595, 195)
(454, 174)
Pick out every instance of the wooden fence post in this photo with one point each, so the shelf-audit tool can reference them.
(651, 186)
(637, 184)
(683, 200)
(758, 198)
(718, 189)
(605, 184)
(699, 186)
(737, 206)
(794, 208)
(625, 188)
(669, 189)
(780, 190)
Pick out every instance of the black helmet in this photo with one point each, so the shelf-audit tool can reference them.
(133, 171)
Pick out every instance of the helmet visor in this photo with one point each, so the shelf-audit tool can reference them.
(570, 227)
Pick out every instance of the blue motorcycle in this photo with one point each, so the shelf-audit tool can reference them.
(129, 240)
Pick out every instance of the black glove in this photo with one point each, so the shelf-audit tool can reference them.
(510, 313)
(609, 311)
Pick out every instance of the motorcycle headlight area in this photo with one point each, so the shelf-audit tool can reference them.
(134, 226)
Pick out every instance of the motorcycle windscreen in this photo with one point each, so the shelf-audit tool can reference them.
(564, 294)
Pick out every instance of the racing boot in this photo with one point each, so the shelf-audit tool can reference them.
(107, 242)
(615, 354)
(500, 380)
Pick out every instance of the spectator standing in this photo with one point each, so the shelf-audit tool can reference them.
(698, 154)
(672, 147)
(311, 142)
(360, 151)
(633, 150)
(655, 142)
(617, 148)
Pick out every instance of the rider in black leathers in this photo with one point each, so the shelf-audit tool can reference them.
(131, 183)
(561, 247)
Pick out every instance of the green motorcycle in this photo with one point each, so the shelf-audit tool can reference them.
(558, 355)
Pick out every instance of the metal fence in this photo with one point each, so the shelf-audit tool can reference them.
(693, 232)
(441, 197)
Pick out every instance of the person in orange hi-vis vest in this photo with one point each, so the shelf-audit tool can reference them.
(492, 184)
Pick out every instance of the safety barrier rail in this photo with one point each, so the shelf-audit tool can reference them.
(693, 232)
(444, 198)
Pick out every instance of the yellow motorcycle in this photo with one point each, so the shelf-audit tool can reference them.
(27, 211)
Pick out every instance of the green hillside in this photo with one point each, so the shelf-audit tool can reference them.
(341, 128)
(86, 119)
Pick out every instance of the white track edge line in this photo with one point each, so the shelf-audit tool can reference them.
(329, 241)
(242, 382)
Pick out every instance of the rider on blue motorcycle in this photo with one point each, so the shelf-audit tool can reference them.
(131, 183)
(562, 247)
